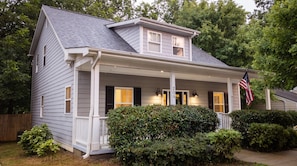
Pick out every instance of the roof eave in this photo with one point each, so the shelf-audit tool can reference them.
(37, 32)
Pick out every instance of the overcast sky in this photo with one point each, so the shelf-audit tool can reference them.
(248, 5)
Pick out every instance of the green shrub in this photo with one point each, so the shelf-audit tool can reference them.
(49, 147)
(130, 124)
(267, 137)
(293, 114)
(171, 151)
(36, 139)
(242, 119)
(136, 127)
(224, 144)
(292, 138)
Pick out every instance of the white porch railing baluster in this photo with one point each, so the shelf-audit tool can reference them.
(225, 120)
(103, 133)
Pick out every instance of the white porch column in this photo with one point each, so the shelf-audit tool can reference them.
(267, 99)
(75, 106)
(239, 98)
(172, 89)
(96, 127)
(230, 95)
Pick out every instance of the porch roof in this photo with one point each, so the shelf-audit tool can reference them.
(121, 62)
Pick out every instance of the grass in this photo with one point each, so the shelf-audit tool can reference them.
(11, 154)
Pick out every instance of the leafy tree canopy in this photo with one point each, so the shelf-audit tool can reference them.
(276, 53)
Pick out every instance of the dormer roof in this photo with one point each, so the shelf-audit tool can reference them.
(154, 24)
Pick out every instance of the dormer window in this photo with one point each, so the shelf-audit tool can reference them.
(178, 45)
(154, 41)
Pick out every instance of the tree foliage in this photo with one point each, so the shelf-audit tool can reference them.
(276, 52)
(218, 23)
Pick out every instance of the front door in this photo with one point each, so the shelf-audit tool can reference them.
(181, 97)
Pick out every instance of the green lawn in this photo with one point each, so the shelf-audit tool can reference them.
(11, 154)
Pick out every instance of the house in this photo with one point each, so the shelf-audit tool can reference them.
(83, 66)
(284, 100)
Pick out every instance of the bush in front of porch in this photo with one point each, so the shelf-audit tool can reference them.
(266, 130)
(169, 135)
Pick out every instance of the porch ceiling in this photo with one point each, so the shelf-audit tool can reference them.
(157, 67)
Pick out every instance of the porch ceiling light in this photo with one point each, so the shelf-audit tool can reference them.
(194, 93)
(158, 92)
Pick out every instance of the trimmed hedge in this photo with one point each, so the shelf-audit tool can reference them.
(267, 137)
(263, 135)
(201, 149)
(148, 133)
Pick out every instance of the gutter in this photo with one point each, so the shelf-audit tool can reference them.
(90, 126)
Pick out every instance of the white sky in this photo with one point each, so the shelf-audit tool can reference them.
(248, 5)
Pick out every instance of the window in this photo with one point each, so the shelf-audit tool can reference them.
(36, 63)
(218, 102)
(181, 97)
(41, 106)
(68, 100)
(178, 45)
(154, 41)
(123, 97)
(44, 55)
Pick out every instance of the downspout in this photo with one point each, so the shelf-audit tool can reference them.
(90, 127)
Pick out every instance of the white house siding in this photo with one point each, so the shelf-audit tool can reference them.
(149, 85)
(84, 93)
(279, 104)
(50, 82)
(131, 35)
(166, 46)
(236, 97)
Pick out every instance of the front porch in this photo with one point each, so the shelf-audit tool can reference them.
(112, 80)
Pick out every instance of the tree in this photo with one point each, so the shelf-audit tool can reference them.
(218, 23)
(276, 54)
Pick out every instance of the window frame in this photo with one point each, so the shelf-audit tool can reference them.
(166, 101)
(219, 104)
(41, 110)
(132, 96)
(36, 63)
(154, 42)
(44, 54)
(66, 100)
(173, 45)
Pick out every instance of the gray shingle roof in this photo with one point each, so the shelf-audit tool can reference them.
(78, 30)
(201, 57)
(286, 94)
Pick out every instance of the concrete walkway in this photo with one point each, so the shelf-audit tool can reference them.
(284, 158)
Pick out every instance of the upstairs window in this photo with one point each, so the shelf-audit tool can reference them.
(178, 45)
(44, 55)
(154, 41)
(68, 99)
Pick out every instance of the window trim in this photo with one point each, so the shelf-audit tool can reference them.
(36, 63)
(148, 41)
(183, 46)
(41, 106)
(223, 103)
(67, 100)
(44, 54)
(118, 87)
(179, 91)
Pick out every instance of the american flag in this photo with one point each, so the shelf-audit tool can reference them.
(245, 84)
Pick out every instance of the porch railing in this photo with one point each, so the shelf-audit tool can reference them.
(225, 120)
(82, 130)
(103, 133)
